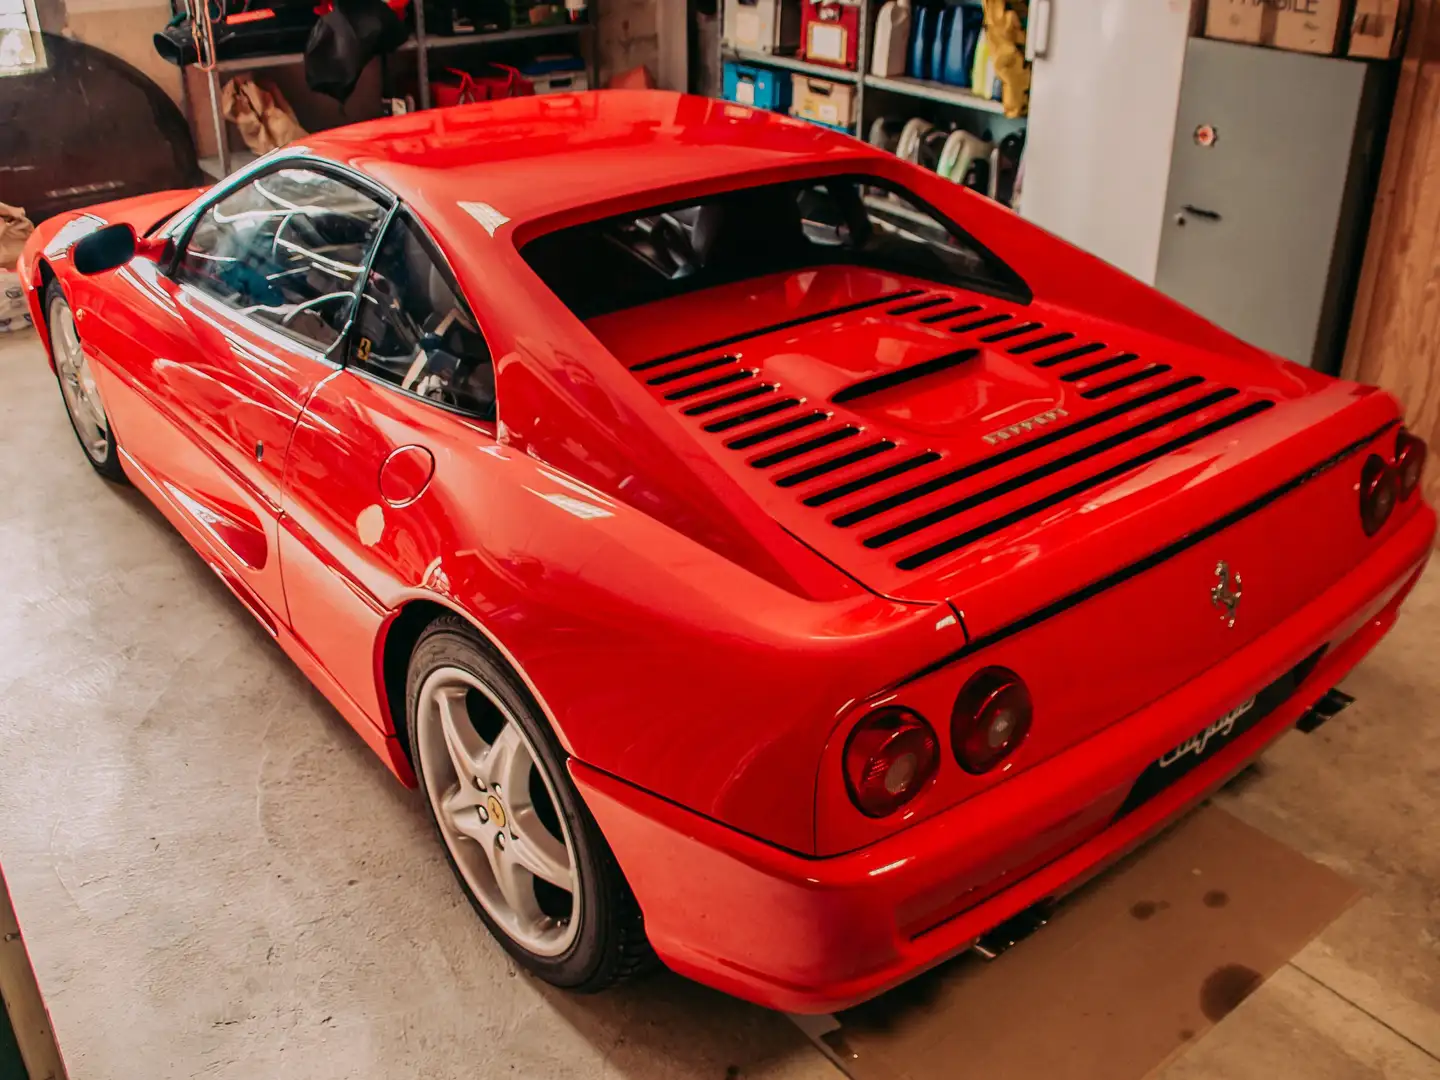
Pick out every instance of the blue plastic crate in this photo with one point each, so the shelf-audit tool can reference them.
(761, 87)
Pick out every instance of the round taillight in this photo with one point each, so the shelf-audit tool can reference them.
(890, 756)
(991, 718)
(1377, 494)
(1409, 462)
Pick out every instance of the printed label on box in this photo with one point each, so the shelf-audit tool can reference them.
(745, 92)
(826, 43)
(829, 114)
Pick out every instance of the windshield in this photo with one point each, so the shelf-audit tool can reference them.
(632, 259)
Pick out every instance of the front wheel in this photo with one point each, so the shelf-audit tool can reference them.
(78, 389)
(526, 850)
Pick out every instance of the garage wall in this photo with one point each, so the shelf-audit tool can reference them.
(629, 35)
(125, 29)
(1394, 337)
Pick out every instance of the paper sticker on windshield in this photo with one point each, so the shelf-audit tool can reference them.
(485, 214)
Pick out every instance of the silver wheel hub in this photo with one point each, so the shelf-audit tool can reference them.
(77, 382)
(497, 811)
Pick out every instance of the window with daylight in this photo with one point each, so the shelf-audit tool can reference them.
(21, 50)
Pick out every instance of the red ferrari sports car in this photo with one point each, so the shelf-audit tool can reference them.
(764, 554)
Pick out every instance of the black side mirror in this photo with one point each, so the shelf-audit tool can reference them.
(104, 249)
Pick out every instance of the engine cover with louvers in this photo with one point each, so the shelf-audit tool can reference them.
(900, 428)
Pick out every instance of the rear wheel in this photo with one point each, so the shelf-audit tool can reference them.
(526, 850)
(77, 387)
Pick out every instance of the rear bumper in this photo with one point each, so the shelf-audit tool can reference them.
(809, 935)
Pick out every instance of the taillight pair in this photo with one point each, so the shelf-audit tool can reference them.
(1383, 484)
(893, 753)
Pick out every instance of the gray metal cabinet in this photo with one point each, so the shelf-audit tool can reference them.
(1271, 181)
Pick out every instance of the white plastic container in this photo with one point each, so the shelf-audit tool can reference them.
(892, 39)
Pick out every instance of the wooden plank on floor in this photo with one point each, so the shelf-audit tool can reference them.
(20, 998)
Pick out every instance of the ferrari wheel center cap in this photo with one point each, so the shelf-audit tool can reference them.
(497, 812)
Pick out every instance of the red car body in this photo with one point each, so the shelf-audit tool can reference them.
(704, 618)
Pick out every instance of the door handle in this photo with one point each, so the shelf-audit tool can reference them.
(1037, 31)
(1196, 211)
(259, 451)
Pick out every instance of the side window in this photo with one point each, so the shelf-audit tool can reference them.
(416, 331)
(288, 249)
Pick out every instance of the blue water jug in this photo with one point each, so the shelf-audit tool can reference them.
(960, 49)
(944, 24)
(922, 33)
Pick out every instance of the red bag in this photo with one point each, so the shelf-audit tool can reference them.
(456, 87)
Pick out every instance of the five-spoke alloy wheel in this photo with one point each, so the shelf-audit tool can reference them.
(520, 839)
(496, 811)
(78, 388)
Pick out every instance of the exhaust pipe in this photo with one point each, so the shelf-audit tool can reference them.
(1012, 931)
(1328, 707)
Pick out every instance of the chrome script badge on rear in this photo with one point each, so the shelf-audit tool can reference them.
(1197, 743)
(1038, 420)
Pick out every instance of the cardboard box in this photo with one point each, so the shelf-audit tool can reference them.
(823, 101)
(1311, 26)
(1377, 29)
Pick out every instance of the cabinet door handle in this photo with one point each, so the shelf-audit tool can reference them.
(1037, 31)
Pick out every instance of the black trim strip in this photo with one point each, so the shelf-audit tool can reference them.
(806, 447)
(1069, 354)
(730, 399)
(920, 558)
(919, 305)
(755, 438)
(1149, 562)
(1096, 369)
(751, 414)
(723, 343)
(1039, 343)
(830, 466)
(976, 324)
(1039, 442)
(953, 313)
(712, 384)
(1128, 380)
(877, 383)
(693, 369)
(1048, 468)
(1012, 331)
(860, 483)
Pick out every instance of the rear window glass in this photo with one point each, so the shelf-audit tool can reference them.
(636, 258)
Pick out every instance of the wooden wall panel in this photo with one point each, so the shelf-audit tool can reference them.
(1394, 337)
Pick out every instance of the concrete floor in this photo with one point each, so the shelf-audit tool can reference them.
(216, 878)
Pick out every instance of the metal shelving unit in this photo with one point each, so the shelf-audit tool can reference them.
(226, 160)
(923, 89)
(789, 63)
(935, 91)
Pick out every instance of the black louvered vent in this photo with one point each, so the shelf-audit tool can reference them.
(805, 444)
(901, 376)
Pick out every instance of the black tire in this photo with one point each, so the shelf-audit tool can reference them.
(106, 463)
(610, 944)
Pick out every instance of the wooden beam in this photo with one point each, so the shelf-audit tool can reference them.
(1394, 339)
(20, 997)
